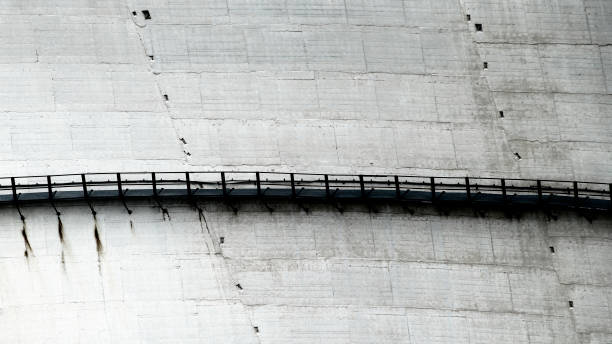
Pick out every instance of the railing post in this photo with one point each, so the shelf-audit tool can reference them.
(610, 191)
(84, 182)
(398, 194)
(504, 191)
(188, 183)
(327, 193)
(223, 184)
(362, 186)
(576, 197)
(432, 182)
(119, 186)
(154, 184)
(14, 188)
(258, 181)
(49, 188)
(539, 183)
(293, 195)
(468, 189)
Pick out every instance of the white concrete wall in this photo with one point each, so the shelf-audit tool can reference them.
(389, 86)
(322, 277)
(380, 86)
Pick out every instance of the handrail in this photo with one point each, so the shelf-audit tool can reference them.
(302, 174)
(309, 186)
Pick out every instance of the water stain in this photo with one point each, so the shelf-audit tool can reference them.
(26, 240)
(132, 227)
(203, 220)
(99, 246)
(165, 213)
(60, 229)
(63, 262)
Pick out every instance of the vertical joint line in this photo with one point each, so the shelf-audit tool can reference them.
(258, 181)
(468, 189)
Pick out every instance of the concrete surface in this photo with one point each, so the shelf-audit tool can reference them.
(322, 277)
(386, 86)
(326, 86)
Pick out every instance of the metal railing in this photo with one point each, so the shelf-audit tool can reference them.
(309, 187)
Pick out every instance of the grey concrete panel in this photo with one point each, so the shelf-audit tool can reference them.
(331, 86)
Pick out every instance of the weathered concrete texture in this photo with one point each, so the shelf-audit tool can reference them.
(391, 86)
(360, 86)
(356, 277)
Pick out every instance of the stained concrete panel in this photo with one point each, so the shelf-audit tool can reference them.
(394, 86)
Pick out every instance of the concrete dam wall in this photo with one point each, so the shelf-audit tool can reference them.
(519, 89)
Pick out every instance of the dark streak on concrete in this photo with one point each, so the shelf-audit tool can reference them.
(63, 261)
(164, 213)
(132, 227)
(60, 229)
(26, 240)
(99, 246)
(203, 219)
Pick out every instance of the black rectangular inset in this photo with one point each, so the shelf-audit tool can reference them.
(478, 27)
(146, 14)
